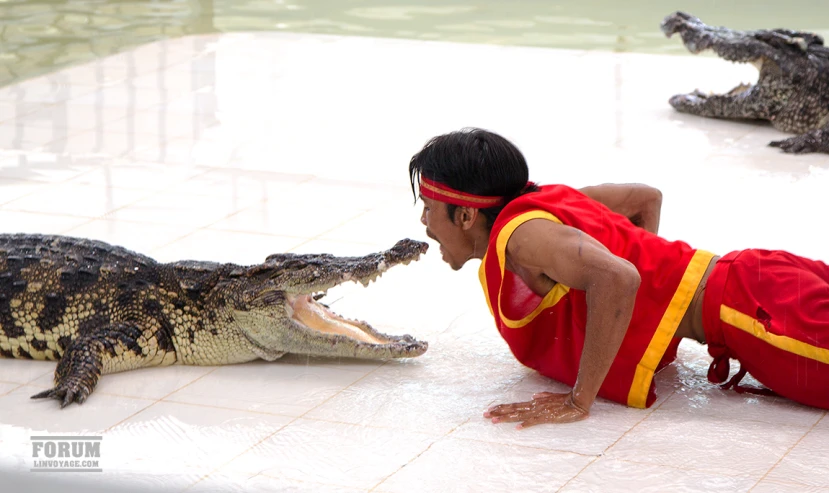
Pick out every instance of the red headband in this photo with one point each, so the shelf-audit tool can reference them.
(438, 191)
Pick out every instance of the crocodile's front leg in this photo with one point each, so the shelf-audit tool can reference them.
(815, 141)
(110, 349)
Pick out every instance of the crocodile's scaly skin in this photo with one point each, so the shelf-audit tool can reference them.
(98, 308)
(792, 91)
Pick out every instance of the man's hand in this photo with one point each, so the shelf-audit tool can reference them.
(545, 407)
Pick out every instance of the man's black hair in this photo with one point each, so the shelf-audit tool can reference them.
(474, 161)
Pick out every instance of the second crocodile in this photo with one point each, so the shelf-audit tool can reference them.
(792, 91)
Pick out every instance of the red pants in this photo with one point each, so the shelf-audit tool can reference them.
(770, 311)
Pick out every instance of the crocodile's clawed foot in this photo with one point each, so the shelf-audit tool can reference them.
(66, 392)
(814, 141)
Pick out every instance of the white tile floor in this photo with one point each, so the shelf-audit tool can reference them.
(241, 145)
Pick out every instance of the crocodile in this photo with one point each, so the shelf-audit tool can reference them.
(98, 308)
(792, 90)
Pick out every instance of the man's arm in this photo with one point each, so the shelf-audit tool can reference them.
(610, 283)
(639, 203)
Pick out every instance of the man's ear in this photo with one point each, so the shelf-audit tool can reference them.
(466, 216)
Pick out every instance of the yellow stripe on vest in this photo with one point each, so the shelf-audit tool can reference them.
(550, 299)
(638, 395)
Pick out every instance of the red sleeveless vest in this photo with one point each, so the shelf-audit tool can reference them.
(547, 334)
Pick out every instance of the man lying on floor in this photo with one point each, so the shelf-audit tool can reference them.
(584, 291)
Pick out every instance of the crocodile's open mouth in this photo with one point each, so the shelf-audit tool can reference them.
(318, 317)
(296, 282)
(305, 308)
(742, 90)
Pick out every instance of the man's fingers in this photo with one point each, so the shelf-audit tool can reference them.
(530, 422)
(512, 417)
(521, 406)
(560, 416)
(502, 409)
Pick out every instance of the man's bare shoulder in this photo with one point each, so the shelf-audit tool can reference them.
(535, 239)
(543, 247)
(530, 251)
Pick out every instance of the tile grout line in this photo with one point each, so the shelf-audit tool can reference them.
(151, 193)
(451, 431)
(342, 390)
(412, 460)
(788, 451)
(310, 483)
(41, 375)
(604, 452)
(438, 439)
(120, 396)
(678, 468)
(318, 237)
(691, 468)
(156, 401)
(794, 484)
(268, 437)
(19, 386)
(750, 420)
(268, 413)
(445, 436)
(43, 187)
(63, 182)
(170, 188)
(644, 418)
(207, 225)
(532, 447)
(163, 399)
(595, 458)
(243, 452)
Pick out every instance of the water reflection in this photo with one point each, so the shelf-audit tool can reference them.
(61, 123)
(38, 36)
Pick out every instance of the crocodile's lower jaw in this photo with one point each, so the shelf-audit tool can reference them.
(319, 318)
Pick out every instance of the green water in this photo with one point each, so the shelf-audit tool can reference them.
(38, 36)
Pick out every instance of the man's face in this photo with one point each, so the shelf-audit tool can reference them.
(449, 234)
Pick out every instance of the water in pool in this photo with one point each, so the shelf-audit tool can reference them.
(39, 36)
